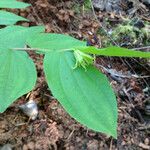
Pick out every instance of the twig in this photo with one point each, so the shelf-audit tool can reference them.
(121, 75)
(110, 147)
(93, 10)
(20, 124)
(144, 127)
(36, 14)
(141, 48)
(135, 110)
(70, 134)
(144, 146)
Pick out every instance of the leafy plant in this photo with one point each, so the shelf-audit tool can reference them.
(82, 89)
(8, 18)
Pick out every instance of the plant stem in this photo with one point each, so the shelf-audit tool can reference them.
(32, 49)
(40, 49)
(26, 49)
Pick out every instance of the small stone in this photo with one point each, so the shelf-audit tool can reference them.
(30, 109)
(31, 145)
(146, 141)
(25, 147)
(92, 145)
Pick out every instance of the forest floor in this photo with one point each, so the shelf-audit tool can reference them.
(54, 128)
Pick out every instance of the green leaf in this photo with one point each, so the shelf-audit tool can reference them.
(86, 95)
(12, 4)
(17, 76)
(17, 73)
(115, 51)
(15, 36)
(54, 42)
(64, 42)
(7, 18)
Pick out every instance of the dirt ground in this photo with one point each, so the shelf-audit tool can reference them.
(54, 128)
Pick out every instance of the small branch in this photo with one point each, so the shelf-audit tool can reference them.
(141, 48)
(118, 74)
(32, 49)
(93, 10)
(145, 126)
(40, 49)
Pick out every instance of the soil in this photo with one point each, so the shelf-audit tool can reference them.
(54, 128)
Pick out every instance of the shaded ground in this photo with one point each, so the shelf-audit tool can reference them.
(54, 128)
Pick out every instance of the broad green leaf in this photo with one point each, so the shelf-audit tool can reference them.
(17, 73)
(54, 42)
(15, 36)
(115, 51)
(7, 18)
(12, 4)
(17, 76)
(86, 95)
(64, 42)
